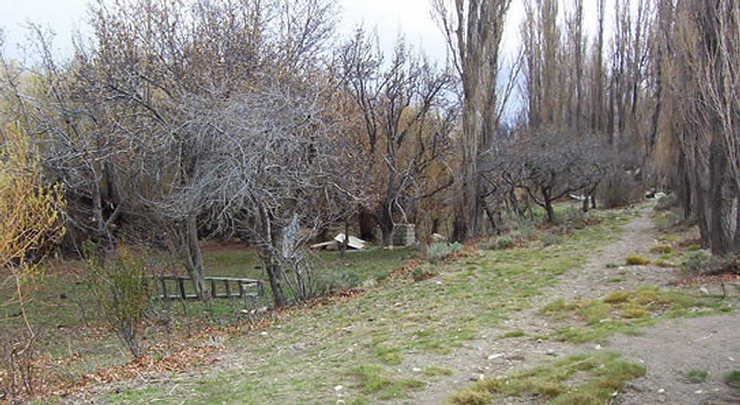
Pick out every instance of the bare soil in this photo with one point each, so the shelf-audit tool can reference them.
(668, 351)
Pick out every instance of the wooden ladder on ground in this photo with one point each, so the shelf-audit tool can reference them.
(175, 288)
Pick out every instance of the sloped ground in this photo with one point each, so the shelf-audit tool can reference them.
(668, 351)
(479, 318)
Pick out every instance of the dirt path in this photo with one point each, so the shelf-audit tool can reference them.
(667, 351)
(605, 270)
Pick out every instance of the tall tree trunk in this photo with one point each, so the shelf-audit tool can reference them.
(684, 185)
(189, 250)
(366, 222)
(720, 198)
(736, 241)
(550, 211)
(270, 236)
(385, 222)
(699, 195)
(467, 209)
(493, 216)
(274, 271)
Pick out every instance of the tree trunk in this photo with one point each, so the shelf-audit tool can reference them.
(720, 198)
(385, 222)
(492, 217)
(270, 237)
(548, 206)
(187, 244)
(435, 225)
(468, 210)
(699, 194)
(367, 225)
(736, 241)
(684, 186)
(274, 272)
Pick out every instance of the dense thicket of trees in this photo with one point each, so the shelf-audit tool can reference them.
(180, 120)
(697, 110)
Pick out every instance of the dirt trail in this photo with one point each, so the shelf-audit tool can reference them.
(596, 278)
(667, 351)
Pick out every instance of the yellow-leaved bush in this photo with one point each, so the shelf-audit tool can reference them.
(30, 212)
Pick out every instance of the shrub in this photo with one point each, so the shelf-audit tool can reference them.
(662, 248)
(438, 251)
(666, 202)
(668, 220)
(697, 262)
(505, 242)
(551, 240)
(423, 272)
(702, 262)
(119, 284)
(636, 260)
(620, 190)
(328, 282)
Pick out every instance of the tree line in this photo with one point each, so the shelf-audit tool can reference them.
(181, 120)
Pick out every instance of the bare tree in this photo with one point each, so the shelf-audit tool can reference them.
(275, 169)
(699, 113)
(550, 165)
(407, 124)
(473, 29)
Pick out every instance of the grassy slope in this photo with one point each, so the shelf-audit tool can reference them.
(63, 312)
(360, 345)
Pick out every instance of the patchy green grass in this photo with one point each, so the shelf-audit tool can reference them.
(626, 312)
(363, 344)
(388, 355)
(669, 237)
(733, 379)
(696, 376)
(636, 260)
(63, 310)
(513, 334)
(434, 371)
(373, 379)
(599, 375)
(138, 394)
(661, 248)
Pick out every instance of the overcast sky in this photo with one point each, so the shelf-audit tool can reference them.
(391, 17)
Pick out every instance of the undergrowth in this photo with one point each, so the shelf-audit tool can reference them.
(625, 312)
(599, 376)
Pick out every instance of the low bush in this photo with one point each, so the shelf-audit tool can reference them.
(119, 284)
(551, 240)
(701, 262)
(662, 248)
(505, 242)
(436, 252)
(636, 260)
(423, 272)
(620, 190)
(666, 203)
